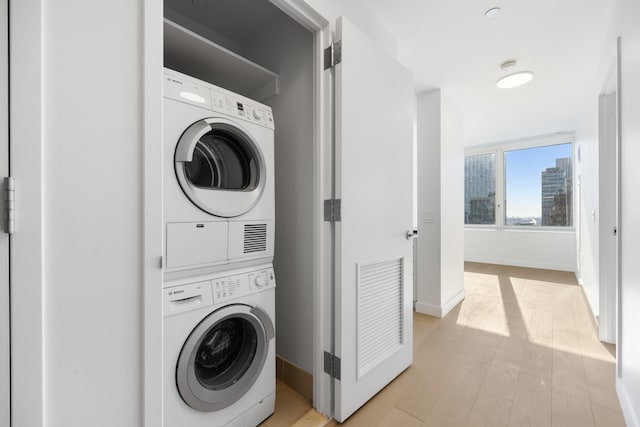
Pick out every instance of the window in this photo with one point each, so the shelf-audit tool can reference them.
(480, 189)
(539, 186)
(534, 186)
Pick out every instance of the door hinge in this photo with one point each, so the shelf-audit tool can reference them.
(332, 365)
(615, 231)
(9, 204)
(332, 210)
(333, 55)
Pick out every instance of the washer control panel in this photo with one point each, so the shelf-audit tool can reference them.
(191, 296)
(230, 287)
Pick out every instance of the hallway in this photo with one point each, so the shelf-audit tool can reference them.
(521, 349)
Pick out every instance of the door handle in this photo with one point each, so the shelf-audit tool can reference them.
(412, 234)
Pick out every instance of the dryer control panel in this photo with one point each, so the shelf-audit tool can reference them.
(192, 296)
(190, 90)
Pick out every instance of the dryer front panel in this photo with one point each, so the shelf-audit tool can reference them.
(220, 167)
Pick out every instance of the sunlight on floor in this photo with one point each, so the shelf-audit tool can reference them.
(519, 350)
(546, 307)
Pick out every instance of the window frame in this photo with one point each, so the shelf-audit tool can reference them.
(500, 149)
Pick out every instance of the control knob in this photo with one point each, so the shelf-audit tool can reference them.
(257, 114)
(260, 281)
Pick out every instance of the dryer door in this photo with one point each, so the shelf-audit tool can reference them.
(220, 167)
(223, 357)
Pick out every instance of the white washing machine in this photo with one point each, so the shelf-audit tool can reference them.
(218, 205)
(219, 349)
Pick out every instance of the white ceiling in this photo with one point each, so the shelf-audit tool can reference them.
(449, 44)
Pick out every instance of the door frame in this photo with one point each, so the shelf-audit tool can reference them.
(618, 319)
(27, 124)
(323, 188)
(153, 231)
(5, 332)
(608, 201)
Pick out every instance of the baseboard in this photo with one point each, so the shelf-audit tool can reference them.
(592, 317)
(311, 418)
(439, 311)
(295, 377)
(431, 310)
(453, 301)
(538, 265)
(630, 417)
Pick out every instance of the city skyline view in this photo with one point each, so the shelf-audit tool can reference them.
(523, 174)
(537, 191)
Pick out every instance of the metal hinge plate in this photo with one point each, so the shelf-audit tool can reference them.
(332, 208)
(332, 365)
(9, 205)
(333, 55)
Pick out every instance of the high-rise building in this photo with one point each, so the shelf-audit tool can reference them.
(557, 194)
(480, 189)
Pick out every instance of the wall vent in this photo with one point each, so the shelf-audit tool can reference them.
(380, 320)
(255, 238)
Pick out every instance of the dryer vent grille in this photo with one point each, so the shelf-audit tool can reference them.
(255, 238)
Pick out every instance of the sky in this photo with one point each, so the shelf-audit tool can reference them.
(523, 177)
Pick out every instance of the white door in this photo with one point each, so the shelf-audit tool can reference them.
(374, 257)
(4, 238)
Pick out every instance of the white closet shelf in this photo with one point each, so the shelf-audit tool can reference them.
(192, 54)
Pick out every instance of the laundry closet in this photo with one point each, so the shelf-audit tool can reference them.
(342, 138)
(254, 49)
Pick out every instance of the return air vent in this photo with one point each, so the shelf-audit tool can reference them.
(255, 238)
(380, 316)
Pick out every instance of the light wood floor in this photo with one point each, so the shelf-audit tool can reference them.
(520, 350)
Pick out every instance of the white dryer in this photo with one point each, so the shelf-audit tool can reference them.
(219, 349)
(218, 184)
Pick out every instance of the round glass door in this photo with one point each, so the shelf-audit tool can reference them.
(223, 357)
(220, 167)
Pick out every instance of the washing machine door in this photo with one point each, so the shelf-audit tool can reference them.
(220, 167)
(223, 356)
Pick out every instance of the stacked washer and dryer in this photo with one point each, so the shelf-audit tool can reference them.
(219, 285)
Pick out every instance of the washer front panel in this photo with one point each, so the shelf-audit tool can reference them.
(223, 356)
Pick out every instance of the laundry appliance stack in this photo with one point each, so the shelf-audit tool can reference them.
(219, 284)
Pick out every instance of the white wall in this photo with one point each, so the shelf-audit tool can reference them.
(588, 210)
(93, 204)
(359, 14)
(287, 49)
(440, 263)
(625, 25)
(428, 254)
(452, 202)
(587, 169)
(553, 250)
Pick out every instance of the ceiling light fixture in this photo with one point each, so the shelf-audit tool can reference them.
(492, 13)
(514, 80)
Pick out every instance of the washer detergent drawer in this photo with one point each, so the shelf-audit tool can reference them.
(193, 243)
